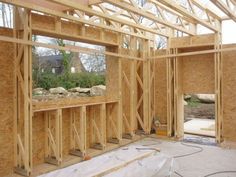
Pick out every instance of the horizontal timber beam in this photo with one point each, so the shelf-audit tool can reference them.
(67, 48)
(93, 2)
(193, 53)
(109, 17)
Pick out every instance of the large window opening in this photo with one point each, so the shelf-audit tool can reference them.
(65, 74)
(199, 114)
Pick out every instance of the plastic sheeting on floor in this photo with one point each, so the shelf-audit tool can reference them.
(156, 164)
(200, 127)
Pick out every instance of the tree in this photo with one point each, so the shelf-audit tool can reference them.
(94, 63)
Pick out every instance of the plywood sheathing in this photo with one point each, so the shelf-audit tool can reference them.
(6, 104)
(198, 74)
(194, 74)
(57, 28)
(229, 95)
(38, 138)
(65, 132)
(161, 89)
(129, 91)
(190, 41)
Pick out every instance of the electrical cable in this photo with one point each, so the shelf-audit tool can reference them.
(178, 174)
(200, 150)
(188, 145)
(219, 172)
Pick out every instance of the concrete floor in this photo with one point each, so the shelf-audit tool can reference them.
(209, 159)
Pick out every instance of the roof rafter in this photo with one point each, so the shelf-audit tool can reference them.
(173, 5)
(142, 12)
(94, 2)
(226, 7)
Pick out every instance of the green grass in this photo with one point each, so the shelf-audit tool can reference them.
(193, 102)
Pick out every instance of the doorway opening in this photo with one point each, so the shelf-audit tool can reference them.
(199, 115)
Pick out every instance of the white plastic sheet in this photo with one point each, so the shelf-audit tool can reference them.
(155, 165)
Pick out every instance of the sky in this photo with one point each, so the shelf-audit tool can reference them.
(228, 26)
(229, 32)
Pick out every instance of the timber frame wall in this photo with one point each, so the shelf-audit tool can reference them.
(67, 131)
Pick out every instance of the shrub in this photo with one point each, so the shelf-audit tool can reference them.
(48, 80)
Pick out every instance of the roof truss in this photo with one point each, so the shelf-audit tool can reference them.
(158, 17)
(227, 6)
(206, 18)
(130, 17)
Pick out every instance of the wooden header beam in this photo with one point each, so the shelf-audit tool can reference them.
(107, 16)
(227, 7)
(80, 20)
(193, 53)
(67, 48)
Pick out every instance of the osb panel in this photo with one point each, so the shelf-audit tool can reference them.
(47, 22)
(70, 28)
(112, 76)
(161, 91)
(6, 105)
(65, 132)
(92, 32)
(67, 102)
(192, 40)
(126, 91)
(92, 112)
(111, 36)
(110, 132)
(229, 94)
(45, 25)
(198, 74)
(38, 137)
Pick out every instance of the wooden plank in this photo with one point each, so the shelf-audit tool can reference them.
(83, 128)
(121, 165)
(65, 48)
(202, 52)
(103, 123)
(132, 96)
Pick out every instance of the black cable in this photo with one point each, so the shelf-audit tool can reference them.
(178, 174)
(184, 155)
(188, 145)
(219, 172)
(200, 150)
